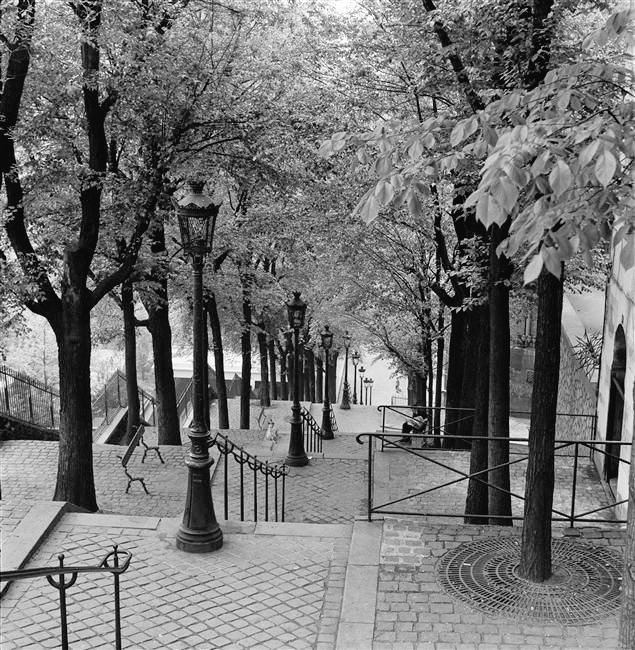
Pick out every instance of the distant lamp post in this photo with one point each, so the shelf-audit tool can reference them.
(369, 400)
(346, 393)
(296, 456)
(355, 360)
(327, 343)
(366, 384)
(362, 370)
(199, 532)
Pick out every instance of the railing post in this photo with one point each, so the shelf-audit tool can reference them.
(226, 480)
(383, 420)
(574, 486)
(255, 488)
(242, 486)
(106, 403)
(370, 476)
(30, 404)
(267, 491)
(117, 603)
(52, 412)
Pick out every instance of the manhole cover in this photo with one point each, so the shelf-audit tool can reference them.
(585, 586)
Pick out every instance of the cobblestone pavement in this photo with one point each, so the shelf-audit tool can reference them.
(292, 585)
(263, 589)
(413, 612)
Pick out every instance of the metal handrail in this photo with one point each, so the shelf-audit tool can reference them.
(185, 401)
(311, 432)
(467, 414)
(27, 399)
(389, 441)
(268, 470)
(116, 568)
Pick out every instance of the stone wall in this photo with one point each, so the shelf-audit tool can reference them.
(576, 395)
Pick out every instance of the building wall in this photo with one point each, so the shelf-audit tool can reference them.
(576, 392)
(620, 310)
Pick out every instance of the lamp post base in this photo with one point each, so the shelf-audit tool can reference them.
(346, 397)
(199, 531)
(327, 429)
(296, 461)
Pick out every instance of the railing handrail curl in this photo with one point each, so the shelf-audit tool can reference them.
(242, 456)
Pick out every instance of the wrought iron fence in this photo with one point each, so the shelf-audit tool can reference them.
(581, 425)
(113, 397)
(28, 399)
(115, 562)
(430, 453)
(311, 432)
(254, 482)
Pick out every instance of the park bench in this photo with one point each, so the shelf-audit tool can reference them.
(125, 459)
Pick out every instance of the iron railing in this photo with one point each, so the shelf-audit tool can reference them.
(113, 397)
(263, 473)
(311, 432)
(427, 440)
(585, 424)
(115, 562)
(185, 403)
(28, 399)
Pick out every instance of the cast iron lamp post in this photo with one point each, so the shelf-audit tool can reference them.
(362, 370)
(296, 456)
(355, 360)
(199, 531)
(369, 400)
(327, 342)
(366, 383)
(346, 393)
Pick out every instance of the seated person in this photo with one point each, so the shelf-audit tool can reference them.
(416, 424)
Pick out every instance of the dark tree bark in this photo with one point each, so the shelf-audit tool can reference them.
(627, 611)
(476, 502)
(310, 371)
(535, 554)
(438, 386)
(273, 381)
(158, 324)
(461, 380)
(219, 361)
(290, 368)
(265, 400)
(245, 346)
(206, 392)
(500, 504)
(130, 343)
(306, 374)
(332, 369)
(319, 379)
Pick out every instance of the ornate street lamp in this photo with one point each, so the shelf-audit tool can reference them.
(362, 370)
(296, 456)
(366, 384)
(346, 393)
(369, 401)
(199, 531)
(355, 359)
(327, 342)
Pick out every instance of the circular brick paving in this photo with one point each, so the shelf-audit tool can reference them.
(585, 586)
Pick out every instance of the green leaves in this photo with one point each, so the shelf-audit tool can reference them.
(605, 167)
(560, 178)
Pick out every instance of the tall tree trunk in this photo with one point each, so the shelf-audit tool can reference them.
(627, 612)
(306, 374)
(290, 369)
(332, 369)
(265, 400)
(157, 306)
(75, 479)
(284, 372)
(535, 552)
(476, 502)
(219, 361)
(245, 346)
(438, 387)
(205, 348)
(420, 391)
(500, 504)
(319, 378)
(310, 366)
(130, 344)
(273, 382)
(460, 380)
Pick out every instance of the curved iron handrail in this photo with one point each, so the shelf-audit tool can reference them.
(61, 584)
